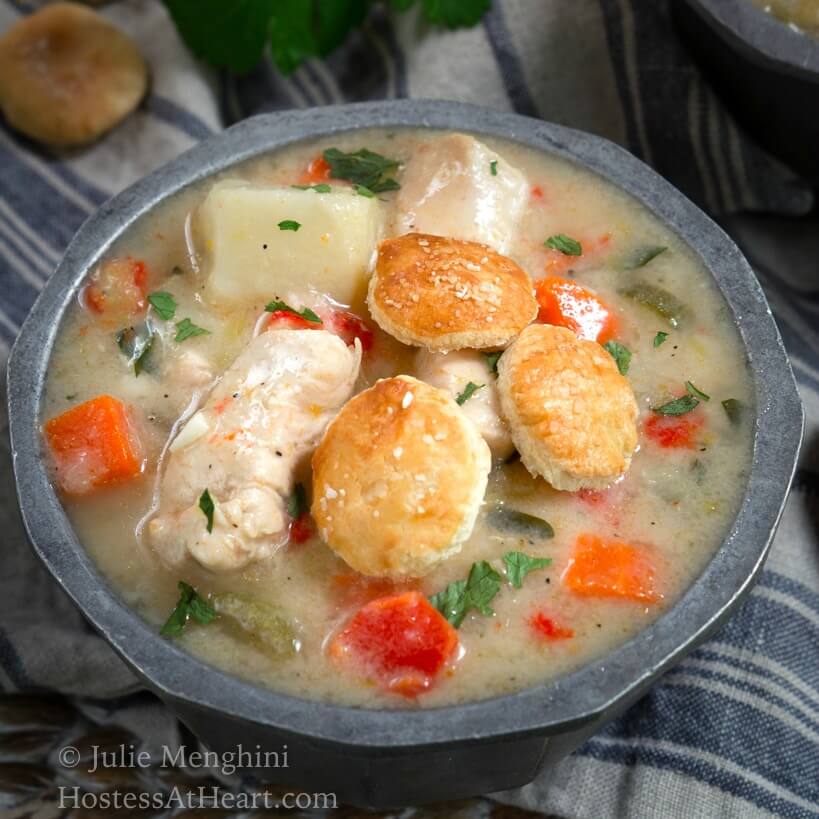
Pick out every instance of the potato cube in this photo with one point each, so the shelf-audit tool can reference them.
(254, 252)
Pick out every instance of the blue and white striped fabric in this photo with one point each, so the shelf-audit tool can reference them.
(734, 729)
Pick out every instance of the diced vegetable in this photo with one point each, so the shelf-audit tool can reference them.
(117, 289)
(302, 528)
(476, 592)
(546, 628)
(290, 320)
(611, 568)
(191, 605)
(518, 565)
(94, 444)
(621, 355)
(349, 327)
(263, 624)
(317, 172)
(663, 303)
(137, 344)
(492, 360)
(363, 167)
(678, 406)
(401, 641)
(734, 410)
(674, 432)
(566, 303)
(642, 256)
(520, 524)
(253, 249)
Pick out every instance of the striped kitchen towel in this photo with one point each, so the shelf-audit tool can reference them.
(734, 729)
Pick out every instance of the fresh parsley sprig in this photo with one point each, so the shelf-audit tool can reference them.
(190, 606)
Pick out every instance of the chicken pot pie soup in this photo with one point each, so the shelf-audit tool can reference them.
(400, 419)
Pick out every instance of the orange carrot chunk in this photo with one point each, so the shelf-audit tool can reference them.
(611, 568)
(566, 303)
(402, 641)
(93, 444)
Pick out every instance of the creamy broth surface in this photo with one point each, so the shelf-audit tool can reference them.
(674, 502)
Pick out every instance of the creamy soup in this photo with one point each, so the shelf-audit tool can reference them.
(804, 14)
(182, 419)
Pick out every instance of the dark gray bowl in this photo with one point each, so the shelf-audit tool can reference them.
(765, 72)
(383, 758)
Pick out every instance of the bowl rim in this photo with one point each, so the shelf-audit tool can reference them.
(764, 37)
(569, 701)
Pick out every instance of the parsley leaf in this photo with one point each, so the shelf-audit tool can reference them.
(621, 355)
(455, 13)
(469, 390)
(186, 329)
(679, 406)
(492, 360)
(493, 167)
(306, 313)
(364, 168)
(565, 244)
(190, 605)
(164, 304)
(321, 187)
(207, 506)
(660, 338)
(697, 393)
(289, 224)
(297, 502)
(518, 565)
(476, 592)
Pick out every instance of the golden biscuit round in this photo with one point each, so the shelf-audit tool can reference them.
(448, 294)
(398, 479)
(571, 413)
(67, 75)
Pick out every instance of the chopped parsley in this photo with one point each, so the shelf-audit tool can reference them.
(660, 338)
(362, 191)
(469, 390)
(697, 393)
(306, 313)
(679, 406)
(191, 605)
(322, 187)
(363, 167)
(492, 360)
(518, 565)
(297, 502)
(164, 304)
(644, 255)
(565, 244)
(206, 505)
(621, 355)
(289, 224)
(476, 592)
(186, 329)
(493, 167)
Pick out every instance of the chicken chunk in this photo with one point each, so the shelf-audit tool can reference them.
(263, 419)
(456, 186)
(452, 372)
